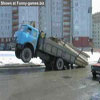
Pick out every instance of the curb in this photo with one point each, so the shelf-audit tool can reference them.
(22, 66)
(20, 69)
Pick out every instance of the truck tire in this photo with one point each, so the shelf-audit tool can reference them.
(59, 64)
(17, 53)
(66, 65)
(94, 75)
(26, 55)
(48, 66)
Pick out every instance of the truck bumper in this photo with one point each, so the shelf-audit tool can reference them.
(19, 46)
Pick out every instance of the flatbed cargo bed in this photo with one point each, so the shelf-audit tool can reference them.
(62, 50)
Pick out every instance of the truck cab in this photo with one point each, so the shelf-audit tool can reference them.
(26, 42)
(54, 53)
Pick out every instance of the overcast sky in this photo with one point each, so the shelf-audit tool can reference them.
(95, 6)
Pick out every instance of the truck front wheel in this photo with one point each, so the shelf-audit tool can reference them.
(26, 55)
(17, 53)
(59, 64)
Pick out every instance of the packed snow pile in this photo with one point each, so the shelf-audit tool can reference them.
(8, 57)
(93, 57)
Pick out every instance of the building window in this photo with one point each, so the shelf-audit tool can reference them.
(6, 40)
(8, 27)
(2, 40)
(90, 10)
(5, 14)
(9, 39)
(2, 15)
(76, 4)
(1, 27)
(76, 38)
(8, 21)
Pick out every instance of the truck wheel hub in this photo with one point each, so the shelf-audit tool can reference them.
(60, 64)
(26, 55)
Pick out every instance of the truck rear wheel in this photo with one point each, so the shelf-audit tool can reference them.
(66, 65)
(17, 53)
(59, 64)
(26, 55)
(48, 66)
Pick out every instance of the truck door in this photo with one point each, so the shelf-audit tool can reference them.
(35, 38)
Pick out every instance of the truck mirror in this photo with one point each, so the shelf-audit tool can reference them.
(42, 34)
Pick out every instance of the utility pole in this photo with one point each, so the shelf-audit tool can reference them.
(62, 21)
(71, 24)
(51, 16)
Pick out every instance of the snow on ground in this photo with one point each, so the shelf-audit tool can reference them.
(8, 57)
(93, 57)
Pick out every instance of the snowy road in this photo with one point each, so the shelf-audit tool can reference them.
(32, 84)
(76, 84)
(8, 57)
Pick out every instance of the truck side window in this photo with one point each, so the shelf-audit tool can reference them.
(29, 30)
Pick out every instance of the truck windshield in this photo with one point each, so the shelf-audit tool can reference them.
(22, 28)
(28, 30)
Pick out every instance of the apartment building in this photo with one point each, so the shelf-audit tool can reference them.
(68, 19)
(27, 15)
(24, 15)
(12, 17)
(82, 22)
(96, 30)
(55, 18)
(15, 20)
(5, 25)
(51, 18)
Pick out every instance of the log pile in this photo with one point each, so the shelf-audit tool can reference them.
(81, 57)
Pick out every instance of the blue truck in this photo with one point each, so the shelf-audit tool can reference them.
(54, 53)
